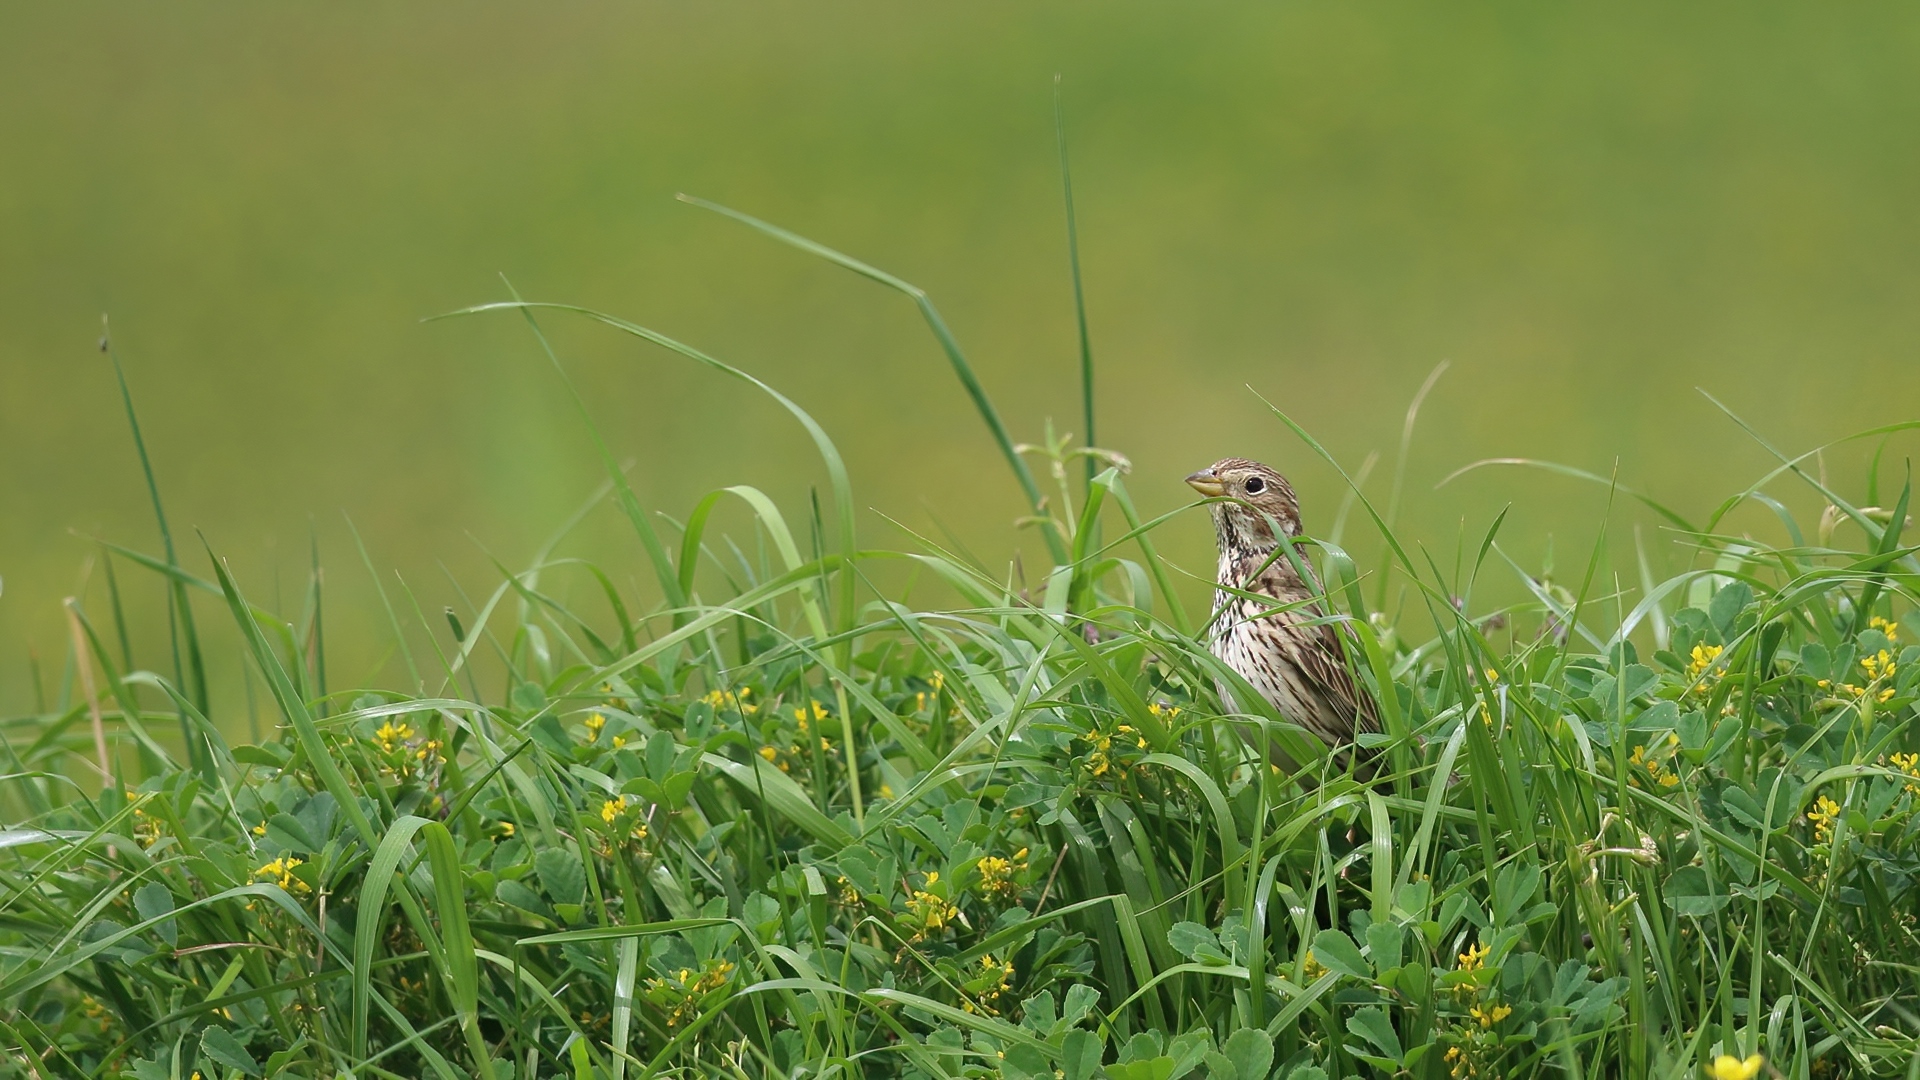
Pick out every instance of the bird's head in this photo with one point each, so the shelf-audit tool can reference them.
(1249, 495)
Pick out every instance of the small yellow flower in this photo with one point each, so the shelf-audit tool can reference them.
(504, 829)
(1728, 1067)
(810, 713)
(1702, 658)
(997, 872)
(391, 735)
(1490, 1017)
(1910, 765)
(611, 809)
(1311, 968)
(735, 699)
(1474, 957)
(1886, 626)
(1878, 666)
(937, 680)
(1099, 761)
(930, 910)
(1492, 675)
(769, 753)
(619, 741)
(593, 725)
(261, 829)
(1164, 712)
(1824, 813)
(1001, 968)
(281, 870)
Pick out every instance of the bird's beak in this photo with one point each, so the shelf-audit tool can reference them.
(1206, 483)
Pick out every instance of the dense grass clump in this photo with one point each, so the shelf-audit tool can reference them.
(774, 822)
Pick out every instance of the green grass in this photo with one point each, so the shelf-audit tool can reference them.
(766, 818)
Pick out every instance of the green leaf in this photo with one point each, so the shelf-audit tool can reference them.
(1372, 1024)
(1251, 1051)
(153, 900)
(221, 1048)
(1337, 952)
(561, 875)
(1196, 942)
(1153, 1068)
(1688, 892)
(1383, 941)
(1080, 1054)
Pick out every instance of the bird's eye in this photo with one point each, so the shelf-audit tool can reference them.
(1255, 485)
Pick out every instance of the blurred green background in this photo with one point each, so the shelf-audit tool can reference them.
(1589, 210)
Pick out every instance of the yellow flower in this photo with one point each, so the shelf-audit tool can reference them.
(1311, 968)
(810, 713)
(1001, 968)
(593, 725)
(1878, 666)
(929, 909)
(505, 829)
(1886, 626)
(1164, 712)
(735, 699)
(1728, 1067)
(1823, 815)
(1474, 957)
(1702, 658)
(611, 809)
(937, 680)
(1492, 675)
(1490, 1017)
(281, 870)
(391, 735)
(1910, 765)
(261, 829)
(769, 753)
(619, 741)
(996, 874)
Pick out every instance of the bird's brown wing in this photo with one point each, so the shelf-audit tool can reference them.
(1325, 668)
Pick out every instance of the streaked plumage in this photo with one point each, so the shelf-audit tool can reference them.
(1271, 638)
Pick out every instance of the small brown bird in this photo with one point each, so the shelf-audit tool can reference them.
(1278, 642)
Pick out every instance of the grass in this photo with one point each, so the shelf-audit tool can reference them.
(773, 820)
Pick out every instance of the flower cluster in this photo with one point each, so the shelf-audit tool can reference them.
(281, 871)
(1656, 771)
(928, 911)
(1474, 1041)
(1887, 627)
(147, 829)
(1824, 813)
(997, 874)
(391, 735)
(1697, 664)
(681, 994)
(616, 816)
(993, 980)
(735, 700)
(1105, 748)
(1879, 669)
(1910, 765)
(405, 750)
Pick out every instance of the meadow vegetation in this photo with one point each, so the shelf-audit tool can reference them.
(772, 819)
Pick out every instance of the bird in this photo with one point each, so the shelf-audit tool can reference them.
(1268, 625)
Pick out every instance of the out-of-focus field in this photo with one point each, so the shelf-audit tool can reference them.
(1589, 212)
